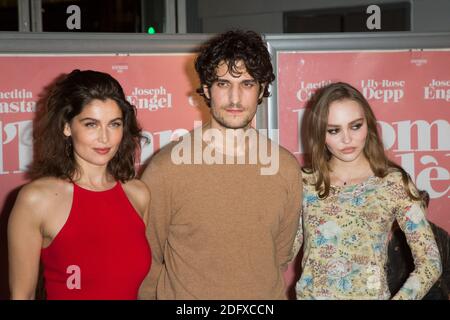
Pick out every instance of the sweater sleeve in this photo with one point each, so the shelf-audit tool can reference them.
(289, 224)
(158, 226)
(299, 237)
(411, 218)
(298, 240)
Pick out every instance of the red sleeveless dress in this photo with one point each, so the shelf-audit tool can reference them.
(101, 252)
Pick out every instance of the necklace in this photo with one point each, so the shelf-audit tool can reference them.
(348, 181)
(348, 175)
(343, 182)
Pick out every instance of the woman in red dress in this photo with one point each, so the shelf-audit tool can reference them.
(83, 216)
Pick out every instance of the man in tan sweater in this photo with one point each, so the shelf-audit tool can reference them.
(225, 199)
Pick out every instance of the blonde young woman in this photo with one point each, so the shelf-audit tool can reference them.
(352, 195)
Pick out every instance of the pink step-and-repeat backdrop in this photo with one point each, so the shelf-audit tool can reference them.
(162, 87)
(409, 92)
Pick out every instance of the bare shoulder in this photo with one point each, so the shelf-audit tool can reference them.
(139, 195)
(41, 189)
(137, 187)
(38, 197)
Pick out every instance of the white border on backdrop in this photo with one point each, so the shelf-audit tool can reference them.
(333, 42)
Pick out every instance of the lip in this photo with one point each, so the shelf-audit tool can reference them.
(235, 111)
(348, 150)
(102, 150)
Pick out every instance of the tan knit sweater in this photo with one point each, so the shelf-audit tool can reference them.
(220, 231)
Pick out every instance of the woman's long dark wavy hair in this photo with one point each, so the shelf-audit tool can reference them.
(319, 155)
(232, 47)
(53, 151)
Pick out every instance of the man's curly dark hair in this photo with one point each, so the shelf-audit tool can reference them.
(232, 47)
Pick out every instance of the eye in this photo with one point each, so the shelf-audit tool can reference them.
(333, 131)
(249, 84)
(221, 84)
(116, 124)
(357, 126)
(90, 124)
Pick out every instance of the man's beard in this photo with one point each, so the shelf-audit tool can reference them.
(242, 124)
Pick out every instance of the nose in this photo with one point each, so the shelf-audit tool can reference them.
(346, 136)
(103, 135)
(234, 95)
